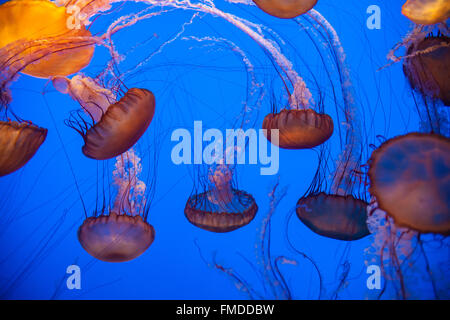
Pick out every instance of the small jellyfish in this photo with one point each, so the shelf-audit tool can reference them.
(427, 11)
(120, 232)
(428, 67)
(117, 126)
(40, 29)
(410, 178)
(221, 208)
(334, 216)
(285, 9)
(18, 144)
(299, 128)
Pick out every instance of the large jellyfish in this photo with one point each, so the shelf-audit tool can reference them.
(18, 144)
(41, 29)
(114, 127)
(339, 211)
(286, 9)
(427, 11)
(221, 208)
(120, 232)
(410, 178)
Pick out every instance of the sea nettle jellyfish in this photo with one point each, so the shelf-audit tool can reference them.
(120, 232)
(427, 11)
(285, 9)
(337, 209)
(298, 128)
(18, 144)
(221, 208)
(303, 124)
(410, 178)
(39, 29)
(114, 126)
(428, 67)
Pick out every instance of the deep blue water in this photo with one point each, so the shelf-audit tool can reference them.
(40, 204)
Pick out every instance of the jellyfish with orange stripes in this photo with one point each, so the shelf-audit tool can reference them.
(285, 9)
(112, 127)
(221, 208)
(119, 231)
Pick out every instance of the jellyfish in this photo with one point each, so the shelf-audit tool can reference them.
(303, 124)
(427, 11)
(221, 208)
(409, 177)
(428, 70)
(116, 126)
(299, 128)
(120, 232)
(285, 9)
(18, 144)
(337, 209)
(41, 30)
(334, 216)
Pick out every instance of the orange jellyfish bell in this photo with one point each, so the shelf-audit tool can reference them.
(116, 238)
(18, 144)
(299, 128)
(203, 213)
(221, 208)
(285, 9)
(429, 73)
(28, 20)
(334, 216)
(427, 11)
(121, 126)
(410, 178)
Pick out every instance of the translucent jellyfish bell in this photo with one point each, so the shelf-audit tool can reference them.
(427, 11)
(120, 232)
(410, 178)
(26, 20)
(116, 238)
(221, 208)
(18, 144)
(334, 216)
